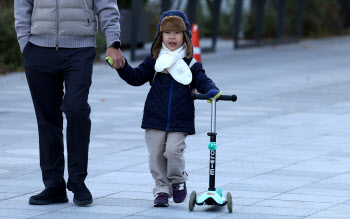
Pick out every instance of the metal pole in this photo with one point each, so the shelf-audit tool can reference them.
(136, 8)
(213, 117)
(259, 19)
(191, 11)
(165, 5)
(281, 13)
(216, 16)
(212, 157)
(301, 6)
(237, 21)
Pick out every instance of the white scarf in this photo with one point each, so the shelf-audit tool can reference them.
(173, 62)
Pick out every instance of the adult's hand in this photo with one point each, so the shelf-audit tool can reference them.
(117, 57)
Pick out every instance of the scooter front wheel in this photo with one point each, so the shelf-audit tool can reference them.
(192, 200)
(229, 202)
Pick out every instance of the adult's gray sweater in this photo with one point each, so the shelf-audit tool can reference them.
(65, 23)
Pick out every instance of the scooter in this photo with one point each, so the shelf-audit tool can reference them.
(213, 196)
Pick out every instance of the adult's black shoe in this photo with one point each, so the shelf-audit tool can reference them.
(48, 196)
(82, 195)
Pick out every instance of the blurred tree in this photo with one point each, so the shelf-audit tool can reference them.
(321, 18)
(6, 3)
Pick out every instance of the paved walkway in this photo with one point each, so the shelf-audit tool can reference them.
(283, 147)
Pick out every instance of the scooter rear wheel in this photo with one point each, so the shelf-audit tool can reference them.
(192, 200)
(229, 202)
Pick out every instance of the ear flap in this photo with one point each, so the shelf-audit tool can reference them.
(189, 51)
(157, 46)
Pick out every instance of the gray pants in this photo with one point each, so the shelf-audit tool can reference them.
(166, 158)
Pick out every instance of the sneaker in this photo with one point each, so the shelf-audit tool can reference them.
(82, 195)
(179, 192)
(49, 195)
(161, 200)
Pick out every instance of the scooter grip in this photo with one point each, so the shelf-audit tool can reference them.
(232, 98)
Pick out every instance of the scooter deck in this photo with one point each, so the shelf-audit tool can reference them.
(211, 198)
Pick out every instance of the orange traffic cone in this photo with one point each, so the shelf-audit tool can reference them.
(195, 43)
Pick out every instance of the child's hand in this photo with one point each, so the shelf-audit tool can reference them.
(213, 94)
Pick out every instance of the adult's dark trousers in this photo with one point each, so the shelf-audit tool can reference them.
(59, 82)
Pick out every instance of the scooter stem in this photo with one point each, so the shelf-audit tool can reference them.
(212, 157)
(213, 116)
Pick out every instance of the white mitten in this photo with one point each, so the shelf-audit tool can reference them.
(164, 61)
(181, 72)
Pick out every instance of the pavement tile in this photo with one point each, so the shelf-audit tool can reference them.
(255, 195)
(329, 214)
(291, 175)
(347, 202)
(325, 192)
(106, 201)
(105, 209)
(133, 195)
(24, 205)
(183, 212)
(341, 208)
(8, 195)
(293, 204)
(233, 187)
(323, 164)
(341, 178)
(239, 215)
(151, 217)
(20, 213)
(245, 201)
(277, 211)
(85, 215)
(311, 198)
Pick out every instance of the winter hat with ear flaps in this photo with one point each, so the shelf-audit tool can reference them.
(173, 21)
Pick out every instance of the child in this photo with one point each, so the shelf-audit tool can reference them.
(168, 115)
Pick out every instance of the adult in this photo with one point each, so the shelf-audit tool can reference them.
(57, 38)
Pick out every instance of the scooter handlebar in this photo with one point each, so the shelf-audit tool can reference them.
(232, 98)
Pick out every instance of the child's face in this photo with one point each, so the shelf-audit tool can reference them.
(173, 39)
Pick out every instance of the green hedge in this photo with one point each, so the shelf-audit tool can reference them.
(11, 58)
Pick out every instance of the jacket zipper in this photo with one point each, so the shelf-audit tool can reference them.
(57, 20)
(169, 105)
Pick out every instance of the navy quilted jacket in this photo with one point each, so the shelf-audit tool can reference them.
(168, 106)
